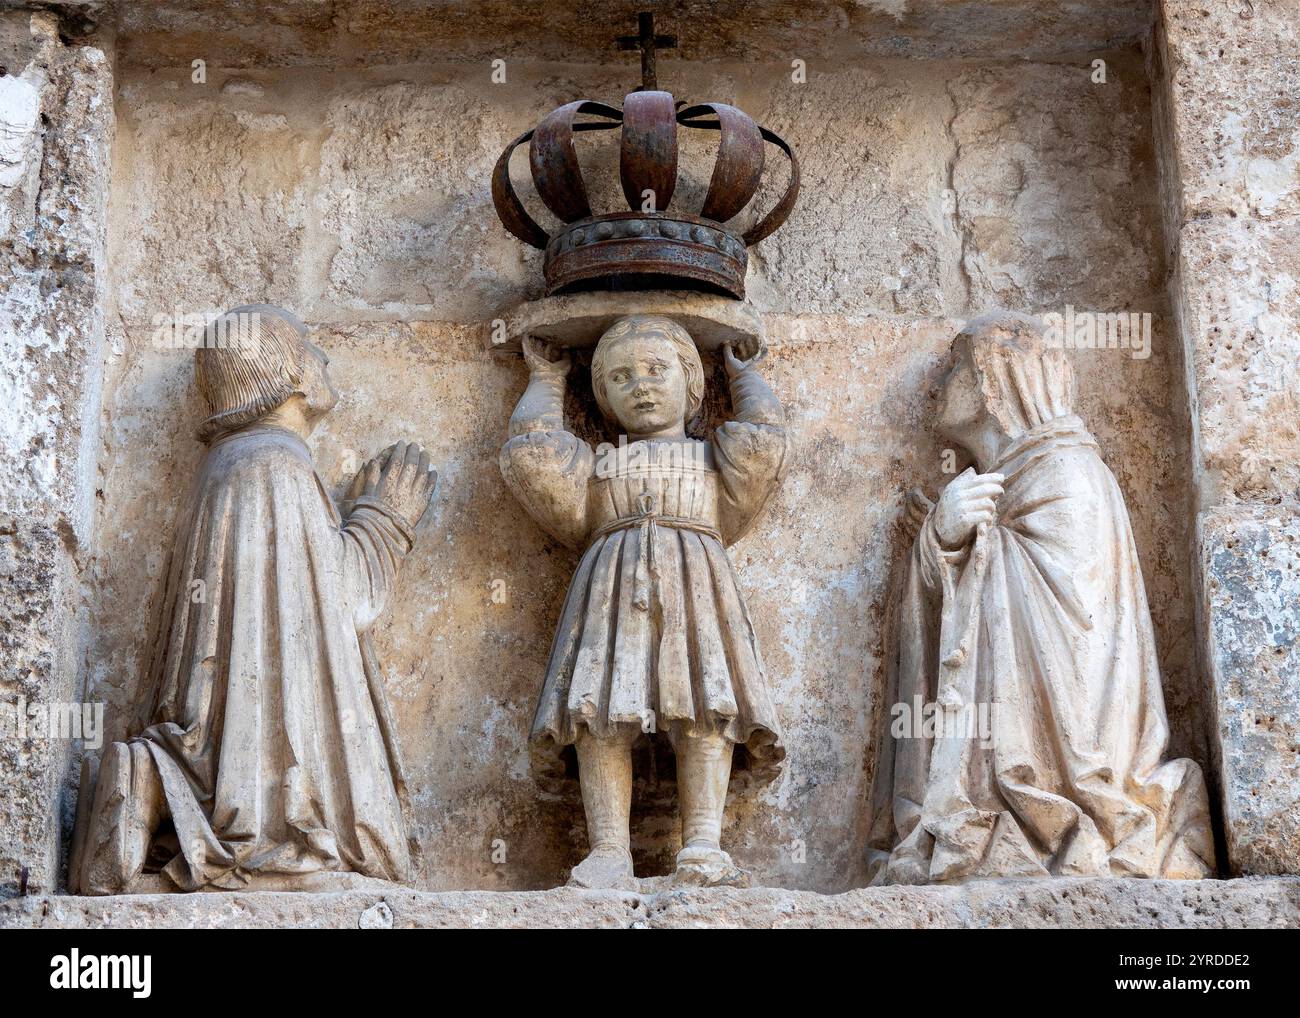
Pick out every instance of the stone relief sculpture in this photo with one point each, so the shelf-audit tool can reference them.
(654, 636)
(266, 755)
(1023, 592)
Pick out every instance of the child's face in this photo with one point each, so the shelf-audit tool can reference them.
(645, 384)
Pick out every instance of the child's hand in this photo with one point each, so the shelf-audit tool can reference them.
(544, 359)
(751, 352)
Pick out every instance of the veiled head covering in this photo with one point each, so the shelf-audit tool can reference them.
(252, 360)
(1025, 381)
(682, 343)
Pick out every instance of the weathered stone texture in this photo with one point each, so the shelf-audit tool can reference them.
(936, 190)
(51, 305)
(53, 197)
(870, 230)
(1227, 77)
(1240, 305)
(1226, 81)
(1055, 209)
(1251, 561)
(405, 202)
(1235, 71)
(945, 190)
(220, 202)
(306, 32)
(992, 904)
(35, 635)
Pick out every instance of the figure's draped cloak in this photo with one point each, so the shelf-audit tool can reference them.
(654, 633)
(1043, 616)
(269, 723)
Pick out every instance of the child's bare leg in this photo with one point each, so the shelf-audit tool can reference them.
(605, 773)
(703, 770)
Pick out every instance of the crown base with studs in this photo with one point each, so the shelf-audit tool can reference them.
(646, 250)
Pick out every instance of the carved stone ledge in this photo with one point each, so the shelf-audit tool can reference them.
(1091, 903)
(580, 319)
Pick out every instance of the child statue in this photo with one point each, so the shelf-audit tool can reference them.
(1023, 596)
(654, 636)
(267, 743)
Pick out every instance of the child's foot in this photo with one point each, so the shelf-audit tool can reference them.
(607, 867)
(701, 864)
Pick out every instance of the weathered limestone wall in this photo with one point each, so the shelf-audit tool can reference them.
(56, 128)
(1227, 88)
(356, 193)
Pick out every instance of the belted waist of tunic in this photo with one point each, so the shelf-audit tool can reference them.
(648, 519)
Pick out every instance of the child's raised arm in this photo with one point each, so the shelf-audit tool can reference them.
(541, 407)
(546, 467)
(750, 450)
(752, 400)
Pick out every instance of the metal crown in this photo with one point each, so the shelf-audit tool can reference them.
(640, 249)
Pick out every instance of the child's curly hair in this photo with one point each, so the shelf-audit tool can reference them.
(687, 355)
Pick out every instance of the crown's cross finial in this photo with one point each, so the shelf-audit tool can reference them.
(647, 42)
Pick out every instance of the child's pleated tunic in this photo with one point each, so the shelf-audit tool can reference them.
(654, 632)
